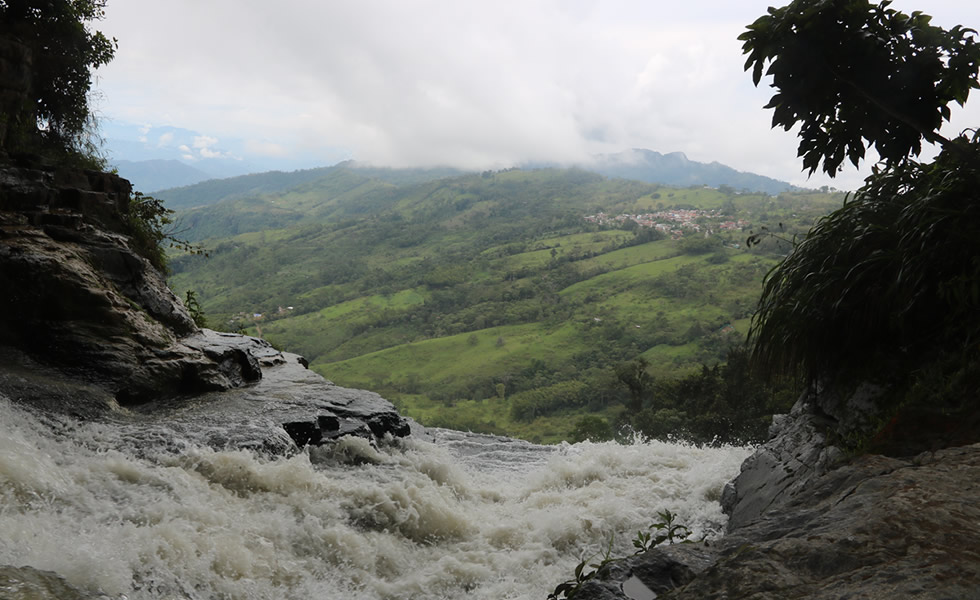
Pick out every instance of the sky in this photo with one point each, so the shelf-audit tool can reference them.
(475, 84)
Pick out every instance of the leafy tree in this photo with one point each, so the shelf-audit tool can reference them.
(634, 376)
(850, 72)
(64, 51)
(592, 428)
(891, 277)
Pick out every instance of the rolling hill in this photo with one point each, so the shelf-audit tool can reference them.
(501, 301)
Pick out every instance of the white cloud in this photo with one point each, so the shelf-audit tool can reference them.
(473, 84)
(203, 142)
(165, 139)
(265, 148)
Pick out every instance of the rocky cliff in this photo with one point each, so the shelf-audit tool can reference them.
(809, 520)
(87, 325)
(89, 328)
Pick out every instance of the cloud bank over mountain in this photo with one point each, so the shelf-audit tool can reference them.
(473, 85)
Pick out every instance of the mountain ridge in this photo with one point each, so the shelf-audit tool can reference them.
(676, 169)
(648, 166)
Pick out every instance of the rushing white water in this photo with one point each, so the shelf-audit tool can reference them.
(452, 516)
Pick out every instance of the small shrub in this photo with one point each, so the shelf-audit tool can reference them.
(195, 310)
(669, 532)
(150, 226)
(592, 428)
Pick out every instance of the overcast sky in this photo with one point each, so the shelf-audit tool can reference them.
(468, 83)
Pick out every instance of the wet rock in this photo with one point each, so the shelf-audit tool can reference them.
(79, 300)
(808, 522)
(650, 574)
(877, 528)
(26, 583)
(88, 327)
(314, 411)
(796, 454)
(290, 407)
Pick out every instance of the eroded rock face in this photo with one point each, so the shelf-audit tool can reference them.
(88, 326)
(807, 521)
(77, 298)
(878, 528)
(796, 454)
(288, 408)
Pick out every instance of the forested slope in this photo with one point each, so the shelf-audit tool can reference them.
(502, 301)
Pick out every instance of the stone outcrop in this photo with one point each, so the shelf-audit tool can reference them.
(88, 325)
(78, 298)
(797, 453)
(878, 527)
(289, 408)
(808, 521)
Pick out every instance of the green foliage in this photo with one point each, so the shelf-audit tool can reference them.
(884, 289)
(149, 225)
(147, 221)
(568, 589)
(64, 53)
(592, 428)
(634, 375)
(697, 243)
(561, 396)
(668, 531)
(410, 298)
(850, 72)
(726, 403)
(888, 278)
(194, 308)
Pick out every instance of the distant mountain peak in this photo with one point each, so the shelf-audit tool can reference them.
(676, 169)
(157, 174)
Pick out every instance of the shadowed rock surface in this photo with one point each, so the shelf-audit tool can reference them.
(807, 522)
(89, 327)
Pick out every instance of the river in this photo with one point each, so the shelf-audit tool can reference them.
(142, 512)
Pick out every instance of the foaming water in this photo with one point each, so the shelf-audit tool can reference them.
(454, 515)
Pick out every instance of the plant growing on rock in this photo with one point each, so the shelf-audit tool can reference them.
(666, 530)
(669, 532)
(150, 226)
(194, 309)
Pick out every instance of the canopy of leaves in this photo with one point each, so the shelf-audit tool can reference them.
(852, 74)
(893, 275)
(64, 52)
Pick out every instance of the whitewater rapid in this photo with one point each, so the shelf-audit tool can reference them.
(444, 515)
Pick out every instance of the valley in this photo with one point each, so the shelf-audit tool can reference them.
(498, 302)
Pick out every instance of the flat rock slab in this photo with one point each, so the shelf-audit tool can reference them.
(288, 406)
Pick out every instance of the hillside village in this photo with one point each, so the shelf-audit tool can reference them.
(674, 221)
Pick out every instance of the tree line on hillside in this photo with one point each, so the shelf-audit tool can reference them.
(509, 264)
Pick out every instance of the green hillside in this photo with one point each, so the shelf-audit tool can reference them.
(275, 182)
(500, 301)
